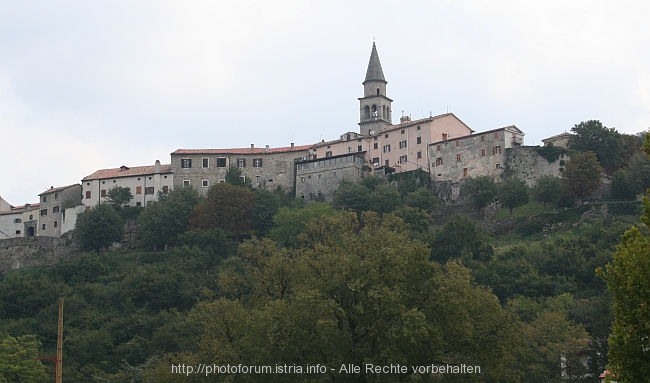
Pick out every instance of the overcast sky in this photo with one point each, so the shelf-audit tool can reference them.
(88, 85)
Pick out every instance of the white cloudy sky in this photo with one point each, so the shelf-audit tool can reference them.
(87, 85)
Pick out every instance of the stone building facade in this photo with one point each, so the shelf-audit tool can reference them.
(264, 167)
(474, 155)
(144, 182)
(527, 165)
(319, 178)
(53, 203)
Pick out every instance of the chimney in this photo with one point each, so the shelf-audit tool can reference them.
(267, 148)
(292, 146)
(252, 147)
(157, 167)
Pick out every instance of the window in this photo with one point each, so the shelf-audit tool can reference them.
(402, 131)
(457, 143)
(438, 161)
(328, 154)
(43, 212)
(375, 161)
(56, 196)
(438, 148)
(205, 183)
(257, 162)
(360, 148)
(148, 190)
(43, 227)
(31, 217)
(418, 140)
(88, 194)
(496, 135)
(302, 179)
(241, 162)
(457, 157)
(221, 180)
(56, 223)
(464, 172)
(186, 182)
(402, 144)
(17, 232)
(138, 190)
(221, 162)
(186, 163)
(375, 146)
(56, 209)
(386, 135)
(102, 193)
(258, 179)
(419, 155)
(206, 163)
(403, 159)
(444, 136)
(17, 220)
(482, 138)
(386, 148)
(496, 150)
(498, 166)
(165, 189)
(418, 128)
(138, 204)
(482, 152)
(44, 198)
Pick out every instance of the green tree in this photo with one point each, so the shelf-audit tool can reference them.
(119, 196)
(161, 222)
(227, 207)
(547, 189)
(513, 193)
(289, 223)
(461, 238)
(423, 199)
(99, 228)
(18, 360)
(621, 187)
(605, 142)
(628, 283)
(582, 175)
(358, 289)
(481, 191)
(638, 173)
(351, 196)
(384, 199)
(235, 177)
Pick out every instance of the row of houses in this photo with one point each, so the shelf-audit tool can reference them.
(443, 145)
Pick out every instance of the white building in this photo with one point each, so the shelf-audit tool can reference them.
(144, 181)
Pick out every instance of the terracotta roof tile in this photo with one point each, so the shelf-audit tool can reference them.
(125, 171)
(53, 189)
(242, 150)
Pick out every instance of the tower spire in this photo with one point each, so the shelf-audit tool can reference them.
(375, 108)
(374, 72)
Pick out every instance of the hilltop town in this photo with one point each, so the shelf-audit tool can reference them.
(442, 146)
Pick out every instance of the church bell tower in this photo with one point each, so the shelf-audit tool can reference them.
(375, 107)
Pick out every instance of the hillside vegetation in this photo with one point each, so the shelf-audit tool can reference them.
(380, 276)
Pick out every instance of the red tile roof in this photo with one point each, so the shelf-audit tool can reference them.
(242, 150)
(125, 171)
(53, 189)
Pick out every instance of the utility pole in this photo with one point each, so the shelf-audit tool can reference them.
(59, 345)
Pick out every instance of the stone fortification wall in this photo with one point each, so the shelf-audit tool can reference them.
(526, 164)
(28, 252)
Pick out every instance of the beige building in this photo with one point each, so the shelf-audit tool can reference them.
(53, 203)
(144, 182)
(264, 167)
(561, 140)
